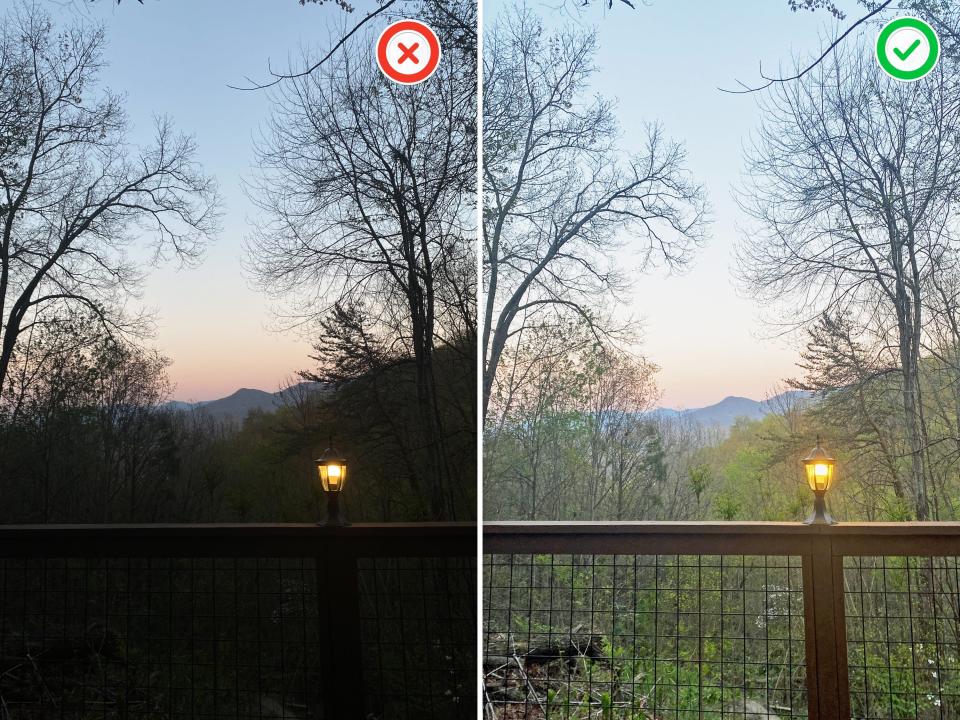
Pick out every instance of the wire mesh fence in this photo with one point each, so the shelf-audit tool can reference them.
(159, 638)
(367, 624)
(419, 638)
(639, 637)
(903, 636)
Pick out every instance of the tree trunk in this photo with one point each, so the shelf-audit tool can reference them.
(421, 315)
(909, 362)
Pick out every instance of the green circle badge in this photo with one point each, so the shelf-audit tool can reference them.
(907, 49)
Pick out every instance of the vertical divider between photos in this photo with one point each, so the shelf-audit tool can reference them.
(338, 607)
(828, 690)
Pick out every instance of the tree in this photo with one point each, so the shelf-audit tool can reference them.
(574, 441)
(348, 349)
(82, 433)
(943, 15)
(74, 194)
(454, 21)
(369, 188)
(854, 184)
(622, 444)
(557, 199)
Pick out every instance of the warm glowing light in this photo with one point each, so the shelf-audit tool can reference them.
(819, 466)
(332, 471)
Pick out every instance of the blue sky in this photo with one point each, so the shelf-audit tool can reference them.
(706, 337)
(662, 61)
(177, 57)
(665, 61)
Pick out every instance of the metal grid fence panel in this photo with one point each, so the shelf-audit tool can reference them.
(903, 629)
(158, 638)
(418, 625)
(635, 637)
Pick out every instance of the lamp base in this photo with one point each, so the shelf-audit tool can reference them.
(334, 522)
(820, 516)
(334, 517)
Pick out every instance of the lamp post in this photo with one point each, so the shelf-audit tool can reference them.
(332, 470)
(819, 467)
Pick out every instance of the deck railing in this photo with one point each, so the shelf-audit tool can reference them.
(642, 621)
(239, 621)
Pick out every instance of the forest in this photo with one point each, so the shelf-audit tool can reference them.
(850, 186)
(849, 251)
(361, 239)
(371, 260)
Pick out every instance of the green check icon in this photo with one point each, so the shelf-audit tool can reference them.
(907, 48)
(904, 54)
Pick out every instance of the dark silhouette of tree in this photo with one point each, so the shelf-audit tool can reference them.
(348, 348)
(81, 434)
(74, 194)
(369, 187)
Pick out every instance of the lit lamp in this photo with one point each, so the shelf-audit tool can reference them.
(332, 470)
(819, 466)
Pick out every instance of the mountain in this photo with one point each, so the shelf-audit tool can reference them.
(721, 415)
(726, 412)
(241, 403)
(244, 401)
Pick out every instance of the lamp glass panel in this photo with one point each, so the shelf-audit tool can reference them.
(819, 475)
(333, 475)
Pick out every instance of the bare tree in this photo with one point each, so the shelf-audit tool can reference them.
(575, 440)
(88, 426)
(369, 186)
(74, 195)
(557, 198)
(943, 15)
(618, 391)
(854, 182)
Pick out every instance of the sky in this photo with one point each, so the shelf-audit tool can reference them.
(177, 57)
(663, 61)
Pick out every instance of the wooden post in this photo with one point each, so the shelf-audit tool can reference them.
(338, 599)
(828, 687)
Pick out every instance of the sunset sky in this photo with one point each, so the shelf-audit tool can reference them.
(217, 329)
(707, 338)
(662, 61)
(665, 61)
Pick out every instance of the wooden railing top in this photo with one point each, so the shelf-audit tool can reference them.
(239, 540)
(721, 538)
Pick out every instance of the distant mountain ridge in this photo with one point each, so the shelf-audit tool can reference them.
(720, 415)
(726, 412)
(244, 401)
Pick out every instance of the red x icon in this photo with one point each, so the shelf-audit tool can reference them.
(408, 52)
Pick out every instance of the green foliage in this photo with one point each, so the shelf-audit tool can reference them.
(573, 441)
(726, 507)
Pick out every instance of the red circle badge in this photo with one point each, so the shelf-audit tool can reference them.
(408, 52)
